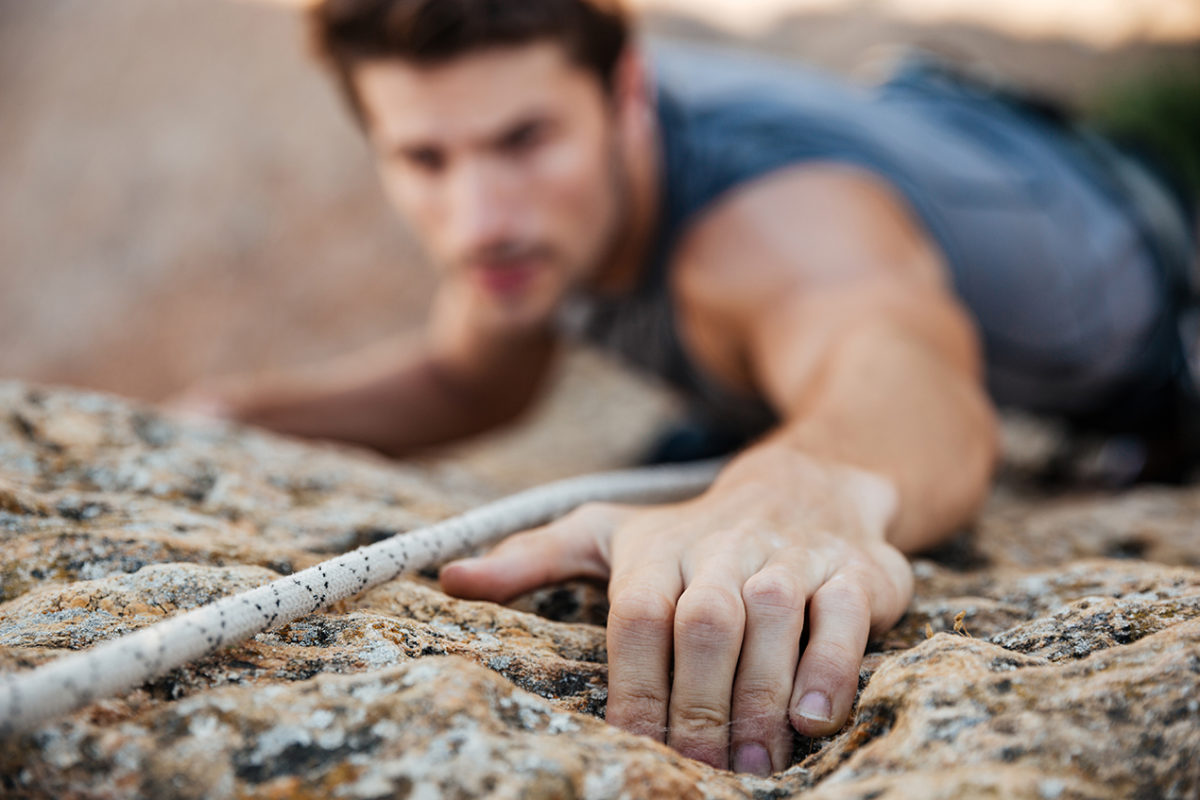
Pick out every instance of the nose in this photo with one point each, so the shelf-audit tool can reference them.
(482, 208)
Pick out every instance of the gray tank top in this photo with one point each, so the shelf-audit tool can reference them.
(1033, 246)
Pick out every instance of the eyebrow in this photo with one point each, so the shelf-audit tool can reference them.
(409, 148)
(537, 119)
(534, 117)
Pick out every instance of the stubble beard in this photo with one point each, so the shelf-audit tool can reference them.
(612, 241)
(578, 279)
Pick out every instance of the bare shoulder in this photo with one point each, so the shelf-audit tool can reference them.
(817, 224)
(772, 277)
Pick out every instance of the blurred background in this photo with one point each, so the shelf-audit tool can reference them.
(181, 194)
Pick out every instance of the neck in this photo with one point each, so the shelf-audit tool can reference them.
(641, 158)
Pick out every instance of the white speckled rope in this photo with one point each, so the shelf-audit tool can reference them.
(71, 682)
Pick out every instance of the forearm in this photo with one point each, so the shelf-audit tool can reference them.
(395, 398)
(889, 404)
(394, 413)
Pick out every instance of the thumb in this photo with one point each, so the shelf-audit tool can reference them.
(571, 547)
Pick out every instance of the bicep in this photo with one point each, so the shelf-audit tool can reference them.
(796, 344)
(806, 260)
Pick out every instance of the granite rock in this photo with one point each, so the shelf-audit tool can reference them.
(1052, 651)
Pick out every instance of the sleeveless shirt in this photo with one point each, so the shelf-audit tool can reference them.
(1053, 272)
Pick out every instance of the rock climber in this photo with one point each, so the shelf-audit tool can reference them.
(844, 282)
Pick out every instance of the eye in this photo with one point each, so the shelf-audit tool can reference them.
(524, 137)
(425, 159)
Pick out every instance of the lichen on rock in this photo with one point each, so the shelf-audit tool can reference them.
(1053, 651)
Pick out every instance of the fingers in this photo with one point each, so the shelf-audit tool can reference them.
(839, 617)
(774, 597)
(653, 615)
(731, 628)
(640, 623)
(856, 601)
(709, 624)
(567, 548)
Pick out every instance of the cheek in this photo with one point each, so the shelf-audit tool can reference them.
(573, 183)
(418, 202)
(400, 192)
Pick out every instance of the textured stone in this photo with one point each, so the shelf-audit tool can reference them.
(1053, 651)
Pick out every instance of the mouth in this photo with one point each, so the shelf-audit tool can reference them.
(507, 279)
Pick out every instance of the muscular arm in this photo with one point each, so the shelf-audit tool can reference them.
(852, 333)
(816, 289)
(454, 380)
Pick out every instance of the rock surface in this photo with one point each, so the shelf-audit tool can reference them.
(1051, 652)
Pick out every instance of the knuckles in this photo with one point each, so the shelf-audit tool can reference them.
(632, 609)
(709, 613)
(848, 597)
(758, 700)
(830, 664)
(698, 720)
(773, 590)
(638, 711)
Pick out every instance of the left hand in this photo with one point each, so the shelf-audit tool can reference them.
(716, 588)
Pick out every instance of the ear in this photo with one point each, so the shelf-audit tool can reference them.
(633, 88)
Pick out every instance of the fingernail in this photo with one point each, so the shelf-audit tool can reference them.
(752, 758)
(815, 706)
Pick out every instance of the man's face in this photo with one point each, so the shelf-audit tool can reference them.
(507, 164)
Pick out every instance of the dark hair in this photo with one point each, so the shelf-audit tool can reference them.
(593, 32)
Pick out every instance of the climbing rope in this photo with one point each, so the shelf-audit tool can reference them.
(71, 682)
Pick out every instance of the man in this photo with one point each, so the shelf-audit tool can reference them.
(815, 266)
